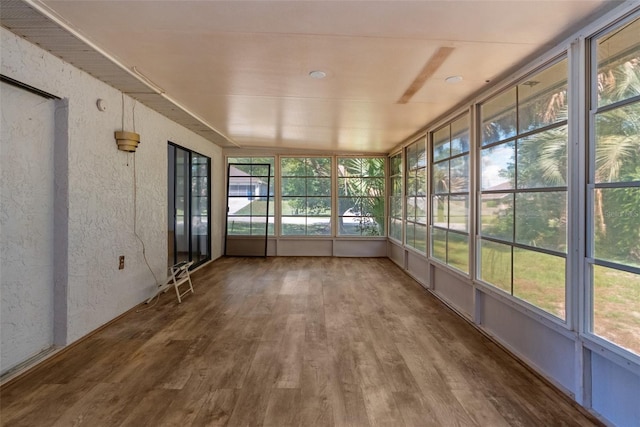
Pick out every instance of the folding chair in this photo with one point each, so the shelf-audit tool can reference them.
(179, 276)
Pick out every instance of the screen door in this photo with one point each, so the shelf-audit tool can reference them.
(247, 209)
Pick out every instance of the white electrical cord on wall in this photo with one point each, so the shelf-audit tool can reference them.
(135, 203)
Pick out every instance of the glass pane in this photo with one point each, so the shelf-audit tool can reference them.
(319, 166)
(319, 226)
(349, 166)
(373, 207)
(542, 99)
(258, 226)
(499, 117)
(199, 208)
(396, 164)
(421, 182)
(420, 238)
(618, 71)
(373, 166)
(439, 244)
(239, 170)
(318, 206)
(371, 227)
(441, 144)
(246, 160)
(395, 229)
(293, 226)
(616, 298)
(412, 188)
(239, 225)
(318, 186)
(373, 186)
(495, 264)
(294, 206)
(496, 216)
(440, 211)
(265, 160)
(459, 175)
(272, 207)
(421, 210)
(182, 205)
(343, 187)
(361, 226)
(458, 251)
(542, 159)
(410, 235)
(441, 178)
(459, 213)
(396, 206)
(349, 206)
(294, 186)
(421, 154)
(618, 144)
(540, 280)
(617, 225)
(396, 185)
(412, 157)
(541, 220)
(460, 136)
(293, 166)
(498, 167)
(350, 225)
(410, 212)
(261, 171)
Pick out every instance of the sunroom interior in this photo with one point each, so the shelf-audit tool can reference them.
(510, 190)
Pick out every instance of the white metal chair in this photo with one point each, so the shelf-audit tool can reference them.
(179, 276)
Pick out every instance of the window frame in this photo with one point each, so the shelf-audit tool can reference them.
(590, 259)
(272, 194)
(514, 190)
(361, 176)
(330, 197)
(398, 196)
(432, 192)
(414, 173)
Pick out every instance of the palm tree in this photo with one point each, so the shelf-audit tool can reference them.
(363, 191)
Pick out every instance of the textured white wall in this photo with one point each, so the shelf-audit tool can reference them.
(101, 187)
(26, 225)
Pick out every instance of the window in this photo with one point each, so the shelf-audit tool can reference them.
(395, 199)
(306, 196)
(523, 199)
(416, 199)
(361, 196)
(246, 199)
(189, 205)
(450, 194)
(614, 187)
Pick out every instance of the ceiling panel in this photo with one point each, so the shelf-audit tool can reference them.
(242, 66)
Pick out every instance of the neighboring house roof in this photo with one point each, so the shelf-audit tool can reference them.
(506, 185)
(239, 177)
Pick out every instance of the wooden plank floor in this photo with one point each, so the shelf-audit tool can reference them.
(288, 342)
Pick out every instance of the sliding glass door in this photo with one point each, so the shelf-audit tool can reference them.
(189, 206)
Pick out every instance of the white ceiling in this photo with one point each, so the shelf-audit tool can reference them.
(242, 66)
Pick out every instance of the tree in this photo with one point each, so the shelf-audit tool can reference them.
(362, 191)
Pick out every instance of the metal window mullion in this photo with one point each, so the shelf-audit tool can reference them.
(617, 104)
(616, 265)
(631, 184)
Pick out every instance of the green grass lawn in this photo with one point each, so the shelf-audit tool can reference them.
(255, 208)
(539, 279)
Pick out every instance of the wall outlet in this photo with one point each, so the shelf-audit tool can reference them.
(121, 266)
